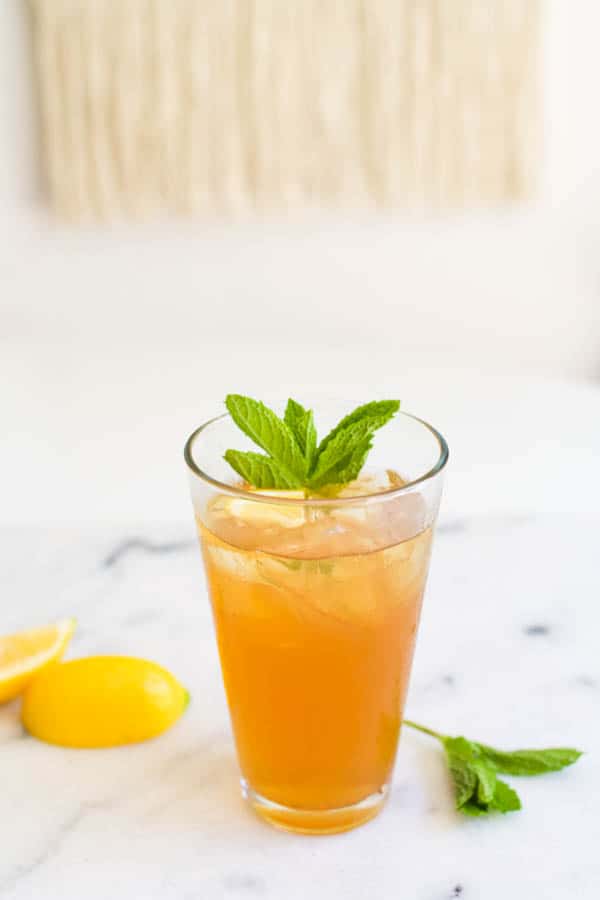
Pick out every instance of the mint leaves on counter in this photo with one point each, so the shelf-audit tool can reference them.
(293, 458)
(474, 769)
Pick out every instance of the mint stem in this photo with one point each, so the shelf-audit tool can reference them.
(425, 730)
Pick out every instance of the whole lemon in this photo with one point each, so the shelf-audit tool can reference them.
(102, 701)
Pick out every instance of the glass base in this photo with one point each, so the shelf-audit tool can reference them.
(318, 821)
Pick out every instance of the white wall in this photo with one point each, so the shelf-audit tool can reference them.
(513, 289)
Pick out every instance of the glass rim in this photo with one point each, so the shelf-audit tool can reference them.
(233, 491)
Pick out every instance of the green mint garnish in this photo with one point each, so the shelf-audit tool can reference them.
(301, 423)
(293, 459)
(285, 466)
(474, 770)
(261, 471)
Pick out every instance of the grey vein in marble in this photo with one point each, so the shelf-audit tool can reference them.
(52, 847)
(244, 884)
(143, 545)
(537, 630)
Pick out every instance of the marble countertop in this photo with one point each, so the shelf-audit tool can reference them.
(507, 653)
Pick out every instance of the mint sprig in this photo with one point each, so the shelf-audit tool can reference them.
(474, 769)
(293, 459)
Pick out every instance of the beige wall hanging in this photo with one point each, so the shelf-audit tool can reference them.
(224, 107)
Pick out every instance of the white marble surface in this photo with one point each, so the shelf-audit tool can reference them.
(507, 653)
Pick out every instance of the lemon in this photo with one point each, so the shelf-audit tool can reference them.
(26, 654)
(102, 701)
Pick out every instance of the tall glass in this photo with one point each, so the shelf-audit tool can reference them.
(316, 602)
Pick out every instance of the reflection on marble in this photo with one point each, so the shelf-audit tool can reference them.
(507, 653)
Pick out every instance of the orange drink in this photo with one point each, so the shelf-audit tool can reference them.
(316, 604)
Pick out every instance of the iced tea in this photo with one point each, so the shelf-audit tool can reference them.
(316, 613)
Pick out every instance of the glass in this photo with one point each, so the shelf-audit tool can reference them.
(316, 603)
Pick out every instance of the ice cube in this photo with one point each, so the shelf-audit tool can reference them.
(371, 483)
(259, 513)
(235, 563)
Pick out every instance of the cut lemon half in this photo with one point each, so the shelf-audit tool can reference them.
(26, 654)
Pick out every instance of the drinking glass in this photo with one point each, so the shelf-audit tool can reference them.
(316, 603)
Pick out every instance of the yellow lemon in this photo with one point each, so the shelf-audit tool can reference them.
(26, 654)
(102, 701)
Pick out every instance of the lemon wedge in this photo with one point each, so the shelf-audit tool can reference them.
(26, 654)
(102, 701)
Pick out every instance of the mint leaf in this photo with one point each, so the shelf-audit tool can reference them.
(270, 433)
(375, 409)
(301, 423)
(474, 809)
(486, 780)
(493, 795)
(335, 458)
(460, 754)
(473, 768)
(473, 777)
(349, 469)
(530, 762)
(505, 799)
(261, 471)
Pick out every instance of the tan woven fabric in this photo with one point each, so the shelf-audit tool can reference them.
(224, 107)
